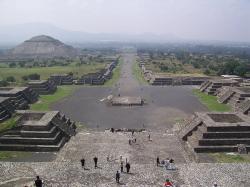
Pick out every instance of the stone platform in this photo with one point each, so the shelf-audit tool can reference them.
(19, 96)
(43, 87)
(37, 132)
(212, 86)
(217, 132)
(62, 79)
(127, 101)
(6, 108)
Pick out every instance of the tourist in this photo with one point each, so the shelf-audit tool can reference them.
(128, 167)
(167, 163)
(133, 132)
(38, 182)
(215, 184)
(129, 142)
(117, 177)
(95, 160)
(112, 130)
(168, 183)
(121, 166)
(157, 161)
(149, 137)
(171, 164)
(83, 163)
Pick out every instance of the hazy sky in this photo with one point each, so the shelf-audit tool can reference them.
(187, 19)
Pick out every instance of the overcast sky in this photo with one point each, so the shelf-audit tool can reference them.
(188, 19)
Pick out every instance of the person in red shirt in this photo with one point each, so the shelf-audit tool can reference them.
(168, 183)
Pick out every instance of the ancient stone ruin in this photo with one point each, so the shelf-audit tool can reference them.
(19, 96)
(42, 46)
(217, 132)
(43, 87)
(62, 79)
(212, 86)
(6, 108)
(126, 101)
(38, 131)
(244, 106)
(233, 95)
(99, 77)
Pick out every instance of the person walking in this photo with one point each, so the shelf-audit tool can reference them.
(117, 177)
(121, 166)
(83, 163)
(157, 161)
(128, 167)
(38, 182)
(95, 161)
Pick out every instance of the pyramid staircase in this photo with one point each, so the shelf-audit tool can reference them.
(210, 139)
(36, 136)
(226, 95)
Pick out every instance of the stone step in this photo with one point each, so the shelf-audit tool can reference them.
(33, 148)
(3, 118)
(225, 135)
(228, 129)
(28, 140)
(215, 142)
(40, 134)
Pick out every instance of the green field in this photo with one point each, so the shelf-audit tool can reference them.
(226, 158)
(138, 74)
(45, 72)
(116, 75)
(211, 102)
(13, 154)
(8, 124)
(45, 101)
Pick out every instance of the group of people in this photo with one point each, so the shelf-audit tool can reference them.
(168, 163)
(95, 159)
(117, 176)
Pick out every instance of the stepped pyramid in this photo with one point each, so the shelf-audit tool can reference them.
(43, 46)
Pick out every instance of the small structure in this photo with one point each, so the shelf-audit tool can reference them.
(233, 95)
(38, 132)
(211, 86)
(127, 101)
(19, 96)
(161, 80)
(6, 108)
(62, 79)
(217, 132)
(99, 77)
(43, 87)
(244, 107)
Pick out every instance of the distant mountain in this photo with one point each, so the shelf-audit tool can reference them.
(13, 34)
(42, 46)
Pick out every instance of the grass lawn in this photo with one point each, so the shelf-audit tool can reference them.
(116, 75)
(13, 154)
(210, 102)
(137, 73)
(226, 158)
(46, 101)
(8, 124)
(45, 72)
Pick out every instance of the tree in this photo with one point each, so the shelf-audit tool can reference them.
(34, 76)
(240, 70)
(3, 83)
(10, 79)
(12, 65)
(25, 77)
